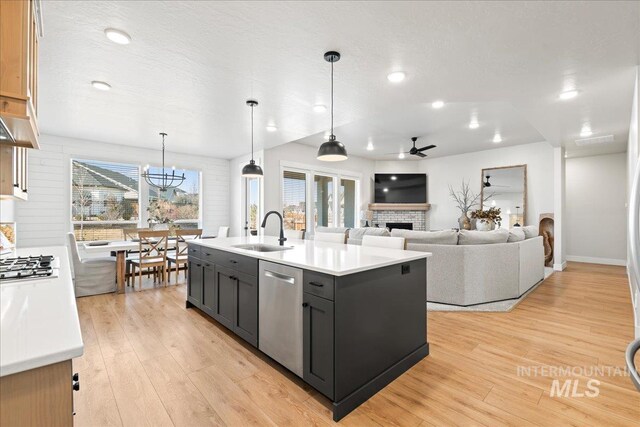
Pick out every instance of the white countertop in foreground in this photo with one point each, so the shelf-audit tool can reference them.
(331, 258)
(39, 322)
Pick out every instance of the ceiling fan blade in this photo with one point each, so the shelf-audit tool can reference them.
(428, 147)
(419, 154)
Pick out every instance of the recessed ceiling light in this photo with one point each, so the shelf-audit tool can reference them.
(437, 104)
(319, 108)
(497, 138)
(370, 146)
(396, 76)
(117, 36)
(474, 124)
(100, 85)
(568, 94)
(271, 128)
(586, 131)
(3, 137)
(385, 190)
(401, 156)
(393, 178)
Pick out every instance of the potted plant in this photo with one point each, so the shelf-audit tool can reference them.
(487, 220)
(465, 199)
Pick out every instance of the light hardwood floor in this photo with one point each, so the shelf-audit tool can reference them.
(149, 361)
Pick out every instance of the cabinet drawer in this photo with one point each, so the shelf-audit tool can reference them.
(194, 251)
(240, 263)
(318, 284)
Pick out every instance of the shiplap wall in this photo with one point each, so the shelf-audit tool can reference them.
(45, 219)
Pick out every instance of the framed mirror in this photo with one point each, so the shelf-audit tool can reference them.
(506, 188)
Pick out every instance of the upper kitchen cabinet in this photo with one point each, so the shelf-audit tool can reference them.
(20, 28)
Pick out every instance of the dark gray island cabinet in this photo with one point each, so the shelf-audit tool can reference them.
(360, 331)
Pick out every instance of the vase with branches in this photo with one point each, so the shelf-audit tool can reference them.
(465, 199)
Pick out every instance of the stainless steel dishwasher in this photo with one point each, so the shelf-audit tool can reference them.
(280, 314)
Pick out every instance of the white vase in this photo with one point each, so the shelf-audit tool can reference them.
(483, 225)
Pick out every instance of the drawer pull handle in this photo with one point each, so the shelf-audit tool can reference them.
(207, 254)
(198, 265)
(233, 261)
(305, 304)
(233, 278)
(319, 285)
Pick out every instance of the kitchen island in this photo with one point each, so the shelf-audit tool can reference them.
(346, 319)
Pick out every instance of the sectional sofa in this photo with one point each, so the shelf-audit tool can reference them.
(474, 267)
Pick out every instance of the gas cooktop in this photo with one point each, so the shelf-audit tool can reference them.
(32, 267)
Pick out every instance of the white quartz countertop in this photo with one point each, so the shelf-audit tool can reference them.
(331, 258)
(39, 322)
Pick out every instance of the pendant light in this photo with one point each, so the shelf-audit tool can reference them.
(332, 150)
(251, 170)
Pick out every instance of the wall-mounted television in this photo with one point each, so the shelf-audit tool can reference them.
(400, 188)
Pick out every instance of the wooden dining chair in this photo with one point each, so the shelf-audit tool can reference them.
(131, 234)
(180, 255)
(152, 255)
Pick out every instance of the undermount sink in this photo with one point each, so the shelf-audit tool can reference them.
(261, 247)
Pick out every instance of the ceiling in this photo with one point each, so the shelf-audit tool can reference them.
(191, 66)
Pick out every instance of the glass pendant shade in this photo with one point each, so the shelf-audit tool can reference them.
(252, 170)
(332, 151)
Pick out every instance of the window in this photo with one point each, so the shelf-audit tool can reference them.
(323, 201)
(252, 205)
(179, 206)
(104, 199)
(347, 203)
(334, 197)
(294, 200)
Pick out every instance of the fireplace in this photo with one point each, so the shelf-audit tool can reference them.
(400, 225)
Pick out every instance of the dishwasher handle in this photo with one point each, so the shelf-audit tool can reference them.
(280, 276)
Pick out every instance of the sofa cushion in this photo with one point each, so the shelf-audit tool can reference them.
(445, 237)
(516, 234)
(530, 231)
(474, 237)
(358, 233)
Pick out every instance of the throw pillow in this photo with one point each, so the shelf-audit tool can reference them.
(446, 237)
(530, 231)
(516, 234)
(474, 237)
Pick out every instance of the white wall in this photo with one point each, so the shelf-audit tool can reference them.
(293, 153)
(451, 170)
(595, 209)
(46, 217)
(7, 210)
(398, 166)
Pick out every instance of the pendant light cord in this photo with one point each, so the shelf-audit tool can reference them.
(252, 133)
(332, 100)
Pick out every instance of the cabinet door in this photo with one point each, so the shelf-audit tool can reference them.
(194, 283)
(318, 343)
(245, 323)
(209, 289)
(224, 289)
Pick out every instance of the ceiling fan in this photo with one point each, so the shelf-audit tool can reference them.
(417, 151)
(487, 184)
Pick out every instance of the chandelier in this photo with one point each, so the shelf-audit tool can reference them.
(163, 180)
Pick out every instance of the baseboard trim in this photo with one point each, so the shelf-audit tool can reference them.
(560, 267)
(595, 260)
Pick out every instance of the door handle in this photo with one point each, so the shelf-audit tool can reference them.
(280, 276)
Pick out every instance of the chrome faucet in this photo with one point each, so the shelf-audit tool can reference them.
(282, 239)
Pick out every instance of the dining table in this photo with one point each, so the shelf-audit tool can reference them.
(120, 248)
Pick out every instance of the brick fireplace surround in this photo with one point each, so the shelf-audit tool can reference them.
(414, 213)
